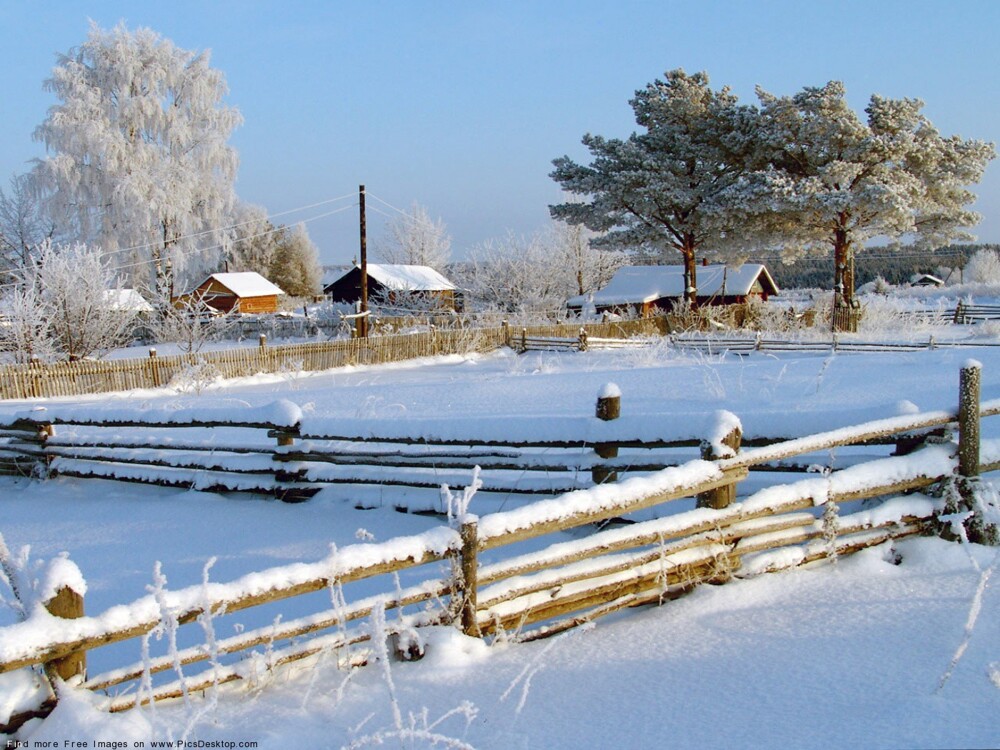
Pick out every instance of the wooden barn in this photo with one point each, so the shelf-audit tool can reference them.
(644, 290)
(246, 292)
(419, 287)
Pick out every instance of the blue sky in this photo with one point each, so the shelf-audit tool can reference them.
(461, 106)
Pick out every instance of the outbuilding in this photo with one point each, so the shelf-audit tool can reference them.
(402, 286)
(644, 290)
(243, 291)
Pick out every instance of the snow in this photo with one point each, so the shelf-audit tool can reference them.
(280, 413)
(127, 299)
(609, 390)
(823, 656)
(409, 278)
(245, 284)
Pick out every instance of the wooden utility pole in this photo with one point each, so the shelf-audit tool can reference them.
(363, 320)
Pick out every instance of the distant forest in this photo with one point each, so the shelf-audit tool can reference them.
(895, 266)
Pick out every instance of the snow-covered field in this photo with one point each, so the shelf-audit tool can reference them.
(833, 656)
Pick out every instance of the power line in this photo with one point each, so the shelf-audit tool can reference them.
(411, 217)
(181, 252)
(215, 230)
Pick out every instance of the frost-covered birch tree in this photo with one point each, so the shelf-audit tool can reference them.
(138, 148)
(415, 239)
(23, 225)
(825, 179)
(583, 266)
(540, 272)
(663, 187)
(513, 273)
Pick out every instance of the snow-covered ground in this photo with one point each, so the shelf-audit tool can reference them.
(832, 656)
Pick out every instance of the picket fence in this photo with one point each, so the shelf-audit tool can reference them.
(40, 380)
(493, 588)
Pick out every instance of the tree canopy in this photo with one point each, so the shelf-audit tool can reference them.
(139, 156)
(826, 179)
(414, 239)
(663, 188)
(801, 173)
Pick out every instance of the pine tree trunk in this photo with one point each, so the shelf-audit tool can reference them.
(845, 316)
(690, 276)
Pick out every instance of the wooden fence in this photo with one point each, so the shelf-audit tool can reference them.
(969, 313)
(40, 380)
(525, 595)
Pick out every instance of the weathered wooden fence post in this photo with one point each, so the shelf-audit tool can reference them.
(524, 339)
(609, 408)
(505, 332)
(968, 419)
(67, 604)
(35, 375)
(582, 340)
(721, 497)
(977, 529)
(470, 575)
(154, 368)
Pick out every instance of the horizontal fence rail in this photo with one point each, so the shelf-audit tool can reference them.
(614, 559)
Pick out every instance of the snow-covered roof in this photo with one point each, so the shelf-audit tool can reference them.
(331, 275)
(638, 284)
(246, 284)
(408, 278)
(126, 299)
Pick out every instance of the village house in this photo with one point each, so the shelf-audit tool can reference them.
(245, 292)
(402, 286)
(645, 290)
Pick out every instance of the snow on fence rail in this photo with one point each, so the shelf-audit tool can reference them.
(525, 596)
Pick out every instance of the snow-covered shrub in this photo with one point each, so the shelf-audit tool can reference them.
(769, 316)
(65, 304)
(24, 327)
(983, 267)
(887, 314)
(191, 323)
(195, 378)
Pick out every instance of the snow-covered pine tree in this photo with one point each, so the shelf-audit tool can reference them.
(138, 142)
(415, 239)
(662, 188)
(822, 178)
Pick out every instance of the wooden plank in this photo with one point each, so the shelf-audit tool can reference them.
(845, 436)
(580, 598)
(718, 530)
(276, 593)
(272, 634)
(729, 476)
